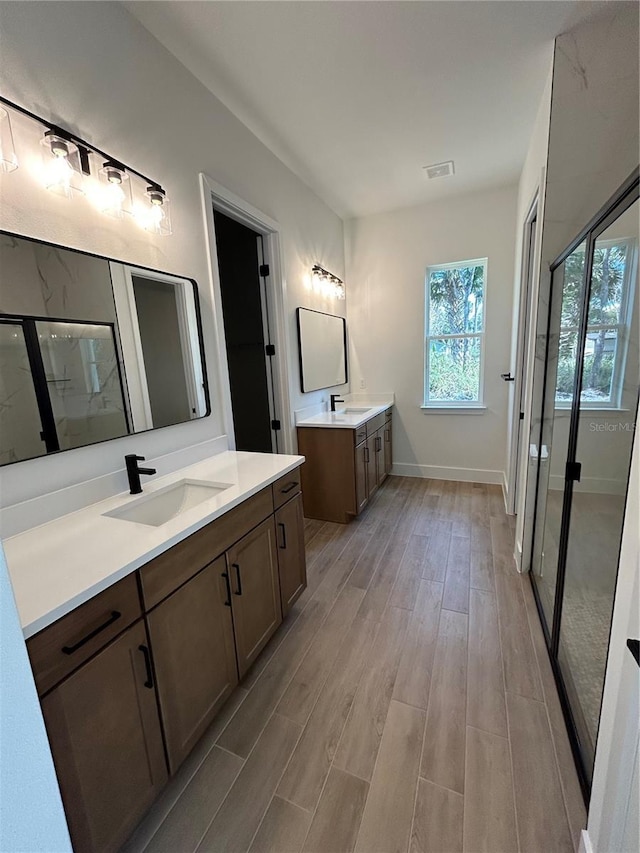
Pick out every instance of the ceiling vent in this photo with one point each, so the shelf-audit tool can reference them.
(440, 170)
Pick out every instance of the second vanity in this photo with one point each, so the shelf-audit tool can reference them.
(138, 631)
(348, 456)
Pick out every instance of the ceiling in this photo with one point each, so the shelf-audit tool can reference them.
(357, 96)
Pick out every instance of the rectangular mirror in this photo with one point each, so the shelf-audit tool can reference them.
(322, 346)
(92, 349)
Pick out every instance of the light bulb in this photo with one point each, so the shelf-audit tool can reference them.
(62, 171)
(114, 196)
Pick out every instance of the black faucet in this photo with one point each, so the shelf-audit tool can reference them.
(335, 398)
(133, 472)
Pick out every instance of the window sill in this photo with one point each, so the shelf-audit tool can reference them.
(472, 409)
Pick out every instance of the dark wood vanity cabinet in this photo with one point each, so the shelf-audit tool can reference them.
(191, 634)
(344, 467)
(106, 741)
(146, 665)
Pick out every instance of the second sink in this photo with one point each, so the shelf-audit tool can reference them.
(167, 503)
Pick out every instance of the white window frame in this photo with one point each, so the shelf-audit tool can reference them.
(454, 404)
(623, 327)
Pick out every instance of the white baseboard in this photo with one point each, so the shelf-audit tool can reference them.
(585, 845)
(461, 475)
(591, 485)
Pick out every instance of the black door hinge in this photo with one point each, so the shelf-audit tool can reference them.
(521, 416)
(270, 349)
(634, 648)
(573, 471)
(275, 425)
(264, 270)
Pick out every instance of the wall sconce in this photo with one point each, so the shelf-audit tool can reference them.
(67, 171)
(8, 158)
(326, 282)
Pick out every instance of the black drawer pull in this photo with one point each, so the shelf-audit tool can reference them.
(284, 536)
(366, 454)
(225, 575)
(238, 578)
(289, 486)
(69, 650)
(147, 662)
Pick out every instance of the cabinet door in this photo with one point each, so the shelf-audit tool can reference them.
(291, 555)
(380, 469)
(361, 476)
(372, 476)
(191, 635)
(105, 738)
(252, 564)
(387, 447)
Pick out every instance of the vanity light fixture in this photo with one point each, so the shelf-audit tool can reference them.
(8, 158)
(62, 172)
(114, 197)
(67, 170)
(327, 283)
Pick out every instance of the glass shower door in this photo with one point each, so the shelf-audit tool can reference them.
(550, 442)
(604, 427)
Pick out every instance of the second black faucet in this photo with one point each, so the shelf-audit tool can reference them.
(133, 472)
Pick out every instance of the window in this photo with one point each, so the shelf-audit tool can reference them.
(610, 307)
(454, 332)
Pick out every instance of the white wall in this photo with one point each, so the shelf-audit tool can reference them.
(387, 257)
(95, 69)
(31, 814)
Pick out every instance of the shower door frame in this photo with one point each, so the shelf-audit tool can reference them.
(625, 196)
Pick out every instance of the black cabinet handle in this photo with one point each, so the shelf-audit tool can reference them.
(366, 454)
(69, 650)
(289, 486)
(284, 535)
(238, 578)
(225, 575)
(386, 435)
(147, 662)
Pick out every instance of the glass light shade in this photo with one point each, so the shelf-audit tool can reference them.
(8, 158)
(62, 171)
(114, 196)
(154, 213)
(340, 292)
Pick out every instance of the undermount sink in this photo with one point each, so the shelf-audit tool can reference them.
(354, 410)
(161, 506)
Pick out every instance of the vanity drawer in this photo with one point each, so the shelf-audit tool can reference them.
(286, 487)
(166, 573)
(60, 648)
(360, 434)
(375, 423)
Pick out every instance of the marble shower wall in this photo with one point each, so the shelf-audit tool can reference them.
(44, 281)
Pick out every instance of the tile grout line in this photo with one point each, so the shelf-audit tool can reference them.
(506, 709)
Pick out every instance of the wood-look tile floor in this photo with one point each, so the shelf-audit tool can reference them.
(406, 704)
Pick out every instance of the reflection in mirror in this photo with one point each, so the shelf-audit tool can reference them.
(322, 346)
(92, 349)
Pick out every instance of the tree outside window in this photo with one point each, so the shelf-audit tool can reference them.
(454, 339)
(610, 306)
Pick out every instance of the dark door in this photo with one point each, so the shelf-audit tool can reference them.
(246, 334)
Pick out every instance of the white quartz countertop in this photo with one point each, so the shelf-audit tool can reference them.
(341, 419)
(59, 565)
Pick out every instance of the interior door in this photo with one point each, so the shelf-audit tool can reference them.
(246, 335)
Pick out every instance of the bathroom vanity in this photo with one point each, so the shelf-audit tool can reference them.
(348, 456)
(138, 631)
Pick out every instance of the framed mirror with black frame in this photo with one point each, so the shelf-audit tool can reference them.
(92, 349)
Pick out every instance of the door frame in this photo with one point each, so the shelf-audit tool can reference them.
(530, 264)
(214, 194)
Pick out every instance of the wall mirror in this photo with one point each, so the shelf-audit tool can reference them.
(92, 349)
(322, 347)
